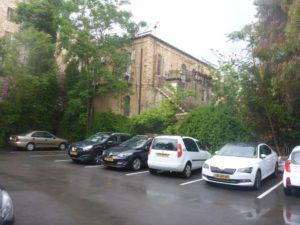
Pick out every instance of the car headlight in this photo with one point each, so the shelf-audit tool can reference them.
(7, 209)
(87, 148)
(124, 155)
(205, 166)
(245, 170)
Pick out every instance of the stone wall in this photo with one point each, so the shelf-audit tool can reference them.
(7, 27)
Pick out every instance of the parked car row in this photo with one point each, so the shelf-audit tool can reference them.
(238, 164)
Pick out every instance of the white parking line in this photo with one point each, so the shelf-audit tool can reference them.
(62, 160)
(131, 174)
(190, 182)
(37, 156)
(96, 166)
(270, 190)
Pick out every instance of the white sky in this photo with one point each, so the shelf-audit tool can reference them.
(196, 26)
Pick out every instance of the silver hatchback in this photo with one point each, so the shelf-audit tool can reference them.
(37, 139)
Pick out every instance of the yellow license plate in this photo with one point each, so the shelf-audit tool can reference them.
(163, 155)
(108, 159)
(73, 153)
(221, 176)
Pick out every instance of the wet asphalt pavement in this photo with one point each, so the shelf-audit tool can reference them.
(47, 188)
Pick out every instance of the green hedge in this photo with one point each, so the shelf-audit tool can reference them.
(214, 126)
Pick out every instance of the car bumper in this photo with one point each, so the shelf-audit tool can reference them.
(176, 167)
(82, 157)
(241, 179)
(18, 144)
(117, 163)
(294, 180)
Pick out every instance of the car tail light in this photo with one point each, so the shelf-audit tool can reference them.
(17, 138)
(288, 166)
(149, 151)
(288, 181)
(179, 151)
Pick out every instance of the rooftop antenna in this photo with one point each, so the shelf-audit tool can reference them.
(155, 27)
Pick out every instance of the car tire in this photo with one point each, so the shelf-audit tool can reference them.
(187, 171)
(257, 183)
(275, 174)
(287, 191)
(62, 146)
(30, 147)
(153, 171)
(136, 164)
(75, 160)
(97, 159)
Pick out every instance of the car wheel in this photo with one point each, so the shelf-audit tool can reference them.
(287, 191)
(275, 174)
(257, 183)
(153, 171)
(75, 160)
(186, 173)
(97, 158)
(62, 146)
(30, 147)
(136, 164)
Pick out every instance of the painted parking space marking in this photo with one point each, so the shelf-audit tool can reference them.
(62, 160)
(95, 166)
(270, 190)
(54, 155)
(131, 174)
(191, 182)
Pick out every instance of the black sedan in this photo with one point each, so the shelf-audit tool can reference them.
(131, 154)
(90, 150)
(6, 208)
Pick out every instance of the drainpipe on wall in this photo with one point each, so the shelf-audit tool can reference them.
(140, 85)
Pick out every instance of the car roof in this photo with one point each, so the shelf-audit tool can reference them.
(174, 137)
(296, 148)
(243, 144)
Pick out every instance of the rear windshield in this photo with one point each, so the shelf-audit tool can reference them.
(296, 158)
(167, 144)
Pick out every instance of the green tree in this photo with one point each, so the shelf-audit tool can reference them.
(95, 35)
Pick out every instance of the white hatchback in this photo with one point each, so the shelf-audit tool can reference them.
(177, 154)
(291, 174)
(241, 164)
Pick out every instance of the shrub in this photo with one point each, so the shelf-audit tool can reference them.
(214, 126)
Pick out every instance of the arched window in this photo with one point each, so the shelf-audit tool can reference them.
(127, 106)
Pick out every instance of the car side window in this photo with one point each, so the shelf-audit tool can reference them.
(47, 135)
(37, 134)
(200, 146)
(124, 138)
(113, 139)
(265, 150)
(190, 145)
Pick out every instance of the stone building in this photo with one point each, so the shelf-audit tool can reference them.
(7, 27)
(156, 65)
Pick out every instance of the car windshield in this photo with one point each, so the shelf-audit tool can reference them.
(99, 137)
(135, 142)
(247, 151)
(296, 158)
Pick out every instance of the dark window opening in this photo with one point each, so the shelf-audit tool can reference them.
(127, 106)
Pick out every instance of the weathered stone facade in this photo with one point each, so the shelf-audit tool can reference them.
(7, 27)
(155, 64)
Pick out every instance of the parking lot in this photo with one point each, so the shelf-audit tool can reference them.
(48, 188)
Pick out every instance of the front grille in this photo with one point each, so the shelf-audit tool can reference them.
(231, 181)
(223, 171)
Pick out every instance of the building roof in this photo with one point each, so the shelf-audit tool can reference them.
(202, 61)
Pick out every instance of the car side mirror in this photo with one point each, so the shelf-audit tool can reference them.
(110, 143)
(263, 156)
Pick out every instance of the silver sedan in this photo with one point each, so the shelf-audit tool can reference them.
(37, 139)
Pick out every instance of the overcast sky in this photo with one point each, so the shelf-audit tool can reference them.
(195, 26)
